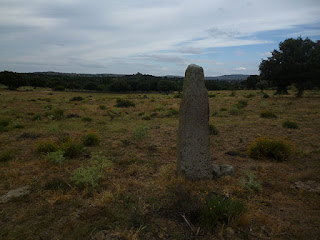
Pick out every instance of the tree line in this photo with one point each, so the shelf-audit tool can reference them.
(297, 62)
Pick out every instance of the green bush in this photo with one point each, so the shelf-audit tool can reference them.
(90, 139)
(86, 119)
(124, 103)
(265, 95)
(71, 148)
(251, 183)
(4, 122)
(102, 107)
(234, 110)
(6, 156)
(241, 104)
(141, 132)
(213, 130)
(77, 99)
(146, 117)
(250, 95)
(289, 124)
(266, 148)
(47, 147)
(223, 109)
(220, 209)
(92, 175)
(172, 112)
(37, 117)
(268, 114)
(56, 157)
(58, 114)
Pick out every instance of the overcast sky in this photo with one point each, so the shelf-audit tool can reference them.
(158, 37)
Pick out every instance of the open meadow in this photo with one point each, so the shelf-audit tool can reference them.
(101, 168)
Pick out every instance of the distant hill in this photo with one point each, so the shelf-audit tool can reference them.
(231, 77)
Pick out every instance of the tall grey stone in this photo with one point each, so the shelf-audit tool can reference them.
(194, 159)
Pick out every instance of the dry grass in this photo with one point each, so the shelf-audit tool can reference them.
(139, 197)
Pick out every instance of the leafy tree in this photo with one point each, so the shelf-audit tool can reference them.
(119, 86)
(166, 86)
(296, 62)
(251, 81)
(262, 85)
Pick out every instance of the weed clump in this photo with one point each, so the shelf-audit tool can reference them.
(251, 183)
(70, 147)
(275, 149)
(91, 175)
(172, 112)
(213, 130)
(241, 104)
(86, 119)
(4, 122)
(234, 110)
(77, 99)
(102, 107)
(268, 114)
(90, 139)
(6, 156)
(56, 157)
(250, 95)
(141, 132)
(124, 103)
(220, 209)
(289, 124)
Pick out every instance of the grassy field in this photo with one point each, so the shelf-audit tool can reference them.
(112, 174)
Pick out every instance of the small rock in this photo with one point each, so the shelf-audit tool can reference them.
(220, 170)
(310, 186)
(229, 232)
(15, 193)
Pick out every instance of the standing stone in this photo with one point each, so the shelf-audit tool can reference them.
(194, 159)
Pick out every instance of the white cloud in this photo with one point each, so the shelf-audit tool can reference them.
(240, 69)
(153, 33)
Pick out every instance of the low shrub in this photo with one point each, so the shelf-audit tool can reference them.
(220, 209)
(6, 156)
(91, 176)
(86, 119)
(146, 117)
(73, 115)
(274, 149)
(289, 124)
(124, 103)
(241, 104)
(47, 147)
(250, 95)
(57, 114)
(90, 139)
(102, 107)
(172, 112)
(71, 148)
(141, 132)
(251, 183)
(213, 130)
(77, 99)
(234, 110)
(265, 95)
(4, 122)
(56, 157)
(223, 109)
(37, 117)
(267, 114)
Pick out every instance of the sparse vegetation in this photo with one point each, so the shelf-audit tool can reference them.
(124, 103)
(126, 186)
(267, 114)
(290, 124)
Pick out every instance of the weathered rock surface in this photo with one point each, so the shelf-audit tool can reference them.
(309, 186)
(15, 193)
(194, 160)
(193, 145)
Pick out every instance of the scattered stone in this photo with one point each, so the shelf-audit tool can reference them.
(229, 232)
(194, 159)
(15, 193)
(310, 186)
(221, 170)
